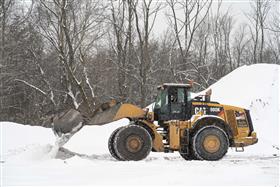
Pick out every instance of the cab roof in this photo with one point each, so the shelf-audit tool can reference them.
(165, 85)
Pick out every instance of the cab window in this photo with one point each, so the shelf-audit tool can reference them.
(181, 95)
(162, 101)
(177, 99)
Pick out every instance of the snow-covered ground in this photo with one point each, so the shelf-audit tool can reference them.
(27, 157)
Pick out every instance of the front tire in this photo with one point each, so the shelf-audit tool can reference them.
(187, 155)
(111, 144)
(210, 143)
(132, 142)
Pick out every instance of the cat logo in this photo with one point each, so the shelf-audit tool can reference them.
(200, 109)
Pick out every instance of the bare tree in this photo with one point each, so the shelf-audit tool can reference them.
(16, 34)
(71, 28)
(4, 12)
(195, 13)
(5, 6)
(260, 10)
(274, 37)
(263, 8)
(274, 25)
(149, 10)
(222, 26)
(240, 44)
(122, 24)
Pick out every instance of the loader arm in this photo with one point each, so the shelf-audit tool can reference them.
(116, 112)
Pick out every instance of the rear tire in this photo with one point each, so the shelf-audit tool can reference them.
(210, 143)
(111, 144)
(132, 142)
(185, 156)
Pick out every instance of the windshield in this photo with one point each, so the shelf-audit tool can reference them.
(191, 95)
(161, 99)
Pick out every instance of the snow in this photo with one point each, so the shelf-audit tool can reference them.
(27, 153)
(25, 143)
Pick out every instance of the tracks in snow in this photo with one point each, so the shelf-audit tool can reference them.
(64, 154)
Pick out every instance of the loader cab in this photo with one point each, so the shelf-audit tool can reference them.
(172, 102)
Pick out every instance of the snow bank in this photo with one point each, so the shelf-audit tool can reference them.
(247, 84)
(255, 87)
(24, 142)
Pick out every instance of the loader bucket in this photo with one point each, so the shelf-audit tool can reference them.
(70, 121)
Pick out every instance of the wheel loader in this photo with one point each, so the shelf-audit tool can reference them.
(196, 127)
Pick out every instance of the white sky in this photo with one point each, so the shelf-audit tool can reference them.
(237, 9)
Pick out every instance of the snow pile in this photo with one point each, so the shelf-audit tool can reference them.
(247, 84)
(256, 88)
(25, 143)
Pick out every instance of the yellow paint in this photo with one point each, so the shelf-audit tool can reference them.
(174, 135)
(129, 111)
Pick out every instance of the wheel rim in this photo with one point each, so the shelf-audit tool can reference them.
(211, 143)
(134, 143)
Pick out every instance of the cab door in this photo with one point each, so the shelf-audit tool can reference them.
(162, 109)
(177, 103)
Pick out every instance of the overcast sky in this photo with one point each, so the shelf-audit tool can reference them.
(237, 8)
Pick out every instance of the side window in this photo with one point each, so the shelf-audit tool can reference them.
(189, 98)
(177, 98)
(181, 95)
(164, 102)
(173, 96)
(158, 101)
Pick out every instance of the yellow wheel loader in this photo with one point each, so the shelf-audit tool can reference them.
(196, 127)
